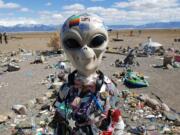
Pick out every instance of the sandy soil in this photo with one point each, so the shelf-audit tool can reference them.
(24, 85)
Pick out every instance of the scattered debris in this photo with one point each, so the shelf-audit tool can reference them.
(118, 39)
(39, 60)
(20, 109)
(13, 67)
(3, 118)
(3, 84)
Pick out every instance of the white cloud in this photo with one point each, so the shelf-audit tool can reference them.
(24, 10)
(48, 4)
(8, 5)
(57, 16)
(11, 5)
(15, 21)
(147, 4)
(131, 12)
(73, 7)
(47, 17)
(145, 11)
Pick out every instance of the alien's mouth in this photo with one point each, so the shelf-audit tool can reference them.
(89, 59)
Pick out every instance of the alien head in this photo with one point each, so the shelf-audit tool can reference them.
(84, 40)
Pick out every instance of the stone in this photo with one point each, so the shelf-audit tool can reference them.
(165, 107)
(11, 115)
(154, 104)
(3, 118)
(44, 112)
(49, 94)
(143, 97)
(31, 103)
(134, 118)
(176, 131)
(41, 100)
(39, 59)
(165, 130)
(177, 122)
(167, 60)
(169, 66)
(46, 107)
(24, 125)
(13, 67)
(20, 109)
(42, 123)
(170, 116)
(151, 127)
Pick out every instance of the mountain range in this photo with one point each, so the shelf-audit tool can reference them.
(42, 27)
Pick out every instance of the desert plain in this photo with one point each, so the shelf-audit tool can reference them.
(24, 84)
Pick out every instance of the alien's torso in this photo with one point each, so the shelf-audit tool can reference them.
(87, 105)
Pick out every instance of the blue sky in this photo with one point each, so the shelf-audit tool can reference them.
(133, 12)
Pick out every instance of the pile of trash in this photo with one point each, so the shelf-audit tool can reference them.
(141, 114)
(146, 115)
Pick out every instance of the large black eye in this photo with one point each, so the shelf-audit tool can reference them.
(72, 43)
(97, 41)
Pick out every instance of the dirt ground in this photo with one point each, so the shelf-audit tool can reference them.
(25, 84)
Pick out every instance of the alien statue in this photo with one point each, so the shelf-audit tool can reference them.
(87, 95)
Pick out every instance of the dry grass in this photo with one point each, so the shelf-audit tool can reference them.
(54, 42)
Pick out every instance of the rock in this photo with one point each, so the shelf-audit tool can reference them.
(169, 66)
(166, 130)
(176, 131)
(41, 100)
(42, 123)
(42, 58)
(143, 97)
(154, 104)
(168, 59)
(3, 118)
(46, 107)
(134, 118)
(151, 128)
(170, 116)
(165, 107)
(24, 125)
(11, 115)
(177, 122)
(31, 103)
(13, 67)
(20, 109)
(44, 112)
(49, 94)
(39, 59)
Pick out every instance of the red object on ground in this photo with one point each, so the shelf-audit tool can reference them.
(115, 115)
(106, 133)
(177, 58)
